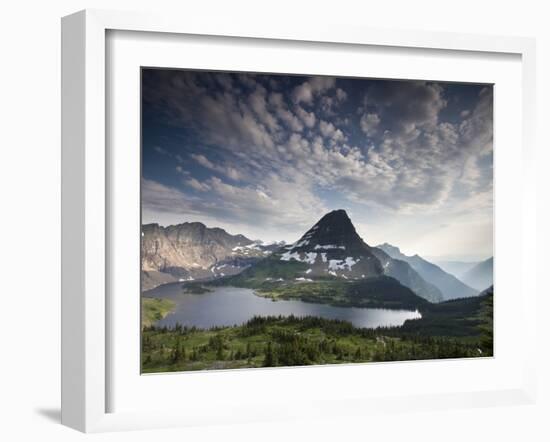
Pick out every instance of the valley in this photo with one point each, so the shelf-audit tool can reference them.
(297, 341)
(327, 298)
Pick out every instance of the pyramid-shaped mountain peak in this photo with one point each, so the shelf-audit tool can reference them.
(333, 229)
(339, 215)
(333, 247)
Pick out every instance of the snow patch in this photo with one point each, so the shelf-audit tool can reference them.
(304, 279)
(342, 264)
(287, 256)
(308, 271)
(309, 257)
(328, 247)
(256, 246)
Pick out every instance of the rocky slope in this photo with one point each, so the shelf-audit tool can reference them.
(333, 249)
(191, 251)
(407, 276)
(447, 284)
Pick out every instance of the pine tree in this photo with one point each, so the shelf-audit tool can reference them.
(269, 360)
(486, 327)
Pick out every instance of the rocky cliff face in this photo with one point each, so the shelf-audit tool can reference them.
(187, 245)
(191, 251)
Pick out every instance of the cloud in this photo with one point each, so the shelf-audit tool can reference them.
(257, 101)
(406, 106)
(395, 153)
(308, 118)
(157, 197)
(418, 162)
(369, 123)
(341, 95)
(275, 204)
(197, 185)
(226, 170)
(305, 92)
(294, 121)
(161, 150)
(181, 170)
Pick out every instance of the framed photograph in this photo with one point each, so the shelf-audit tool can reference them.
(283, 223)
(275, 157)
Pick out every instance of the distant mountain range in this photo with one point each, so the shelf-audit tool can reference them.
(450, 286)
(331, 250)
(481, 275)
(455, 268)
(408, 276)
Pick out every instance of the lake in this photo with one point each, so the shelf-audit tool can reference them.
(226, 306)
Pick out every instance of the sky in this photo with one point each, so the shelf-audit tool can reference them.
(268, 155)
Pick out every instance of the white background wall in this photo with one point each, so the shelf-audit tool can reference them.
(30, 219)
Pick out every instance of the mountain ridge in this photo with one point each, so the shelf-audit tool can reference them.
(191, 251)
(332, 248)
(481, 275)
(450, 286)
(455, 268)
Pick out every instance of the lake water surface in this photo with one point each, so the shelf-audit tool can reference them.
(226, 306)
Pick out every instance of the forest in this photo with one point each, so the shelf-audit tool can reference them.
(455, 329)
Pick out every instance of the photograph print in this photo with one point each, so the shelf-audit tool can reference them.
(297, 220)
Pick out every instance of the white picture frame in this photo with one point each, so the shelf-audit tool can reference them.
(85, 217)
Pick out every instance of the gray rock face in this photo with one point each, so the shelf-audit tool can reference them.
(192, 251)
(152, 279)
(188, 246)
(449, 286)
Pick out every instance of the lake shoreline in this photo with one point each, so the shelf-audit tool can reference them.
(227, 306)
